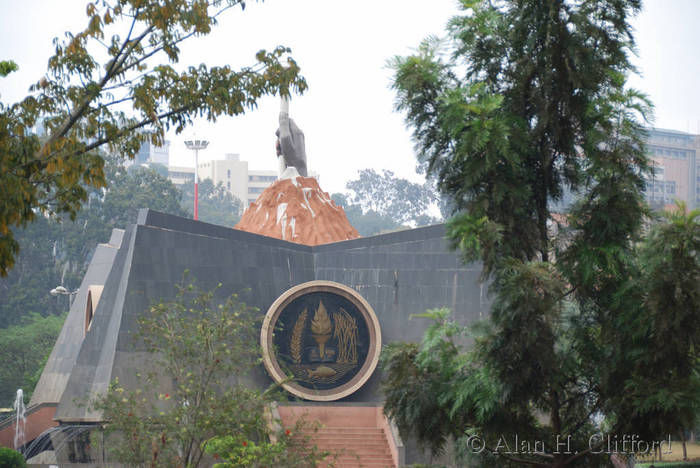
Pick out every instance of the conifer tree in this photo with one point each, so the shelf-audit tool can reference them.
(523, 101)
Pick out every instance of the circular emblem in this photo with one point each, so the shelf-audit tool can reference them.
(321, 340)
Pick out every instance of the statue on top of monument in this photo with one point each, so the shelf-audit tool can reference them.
(291, 150)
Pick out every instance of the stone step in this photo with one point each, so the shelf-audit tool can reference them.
(345, 449)
(338, 435)
(359, 464)
(346, 429)
(371, 436)
(353, 436)
(359, 441)
(338, 444)
(365, 458)
(345, 443)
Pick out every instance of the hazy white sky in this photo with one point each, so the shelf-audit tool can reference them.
(342, 47)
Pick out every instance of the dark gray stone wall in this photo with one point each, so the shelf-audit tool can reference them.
(402, 274)
(399, 274)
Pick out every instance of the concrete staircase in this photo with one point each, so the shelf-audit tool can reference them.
(366, 447)
(357, 436)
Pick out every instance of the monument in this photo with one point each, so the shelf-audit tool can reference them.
(291, 146)
(330, 300)
(323, 334)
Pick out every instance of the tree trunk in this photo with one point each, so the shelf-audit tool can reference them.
(685, 450)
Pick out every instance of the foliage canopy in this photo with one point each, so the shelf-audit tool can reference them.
(11, 458)
(24, 349)
(216, 204)
(523, 101)
(383, 202)
(200, 352)
(86, 106)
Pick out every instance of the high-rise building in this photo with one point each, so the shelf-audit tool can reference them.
(674, 155)
(149, 154)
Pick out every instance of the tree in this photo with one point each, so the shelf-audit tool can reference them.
(11, 458)
(86, 106)
(24, 350)
(200, 353)
(664, 391)
(7, 67)
(367, 224)
(216, 204)
(116, 206)
(390, 196)
(58, 250)
(58, 253)
(533, 101)
(25, 291)
(383, 202)
(136, 189)
(290, 448)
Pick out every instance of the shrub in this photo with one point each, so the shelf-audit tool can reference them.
(11, 458)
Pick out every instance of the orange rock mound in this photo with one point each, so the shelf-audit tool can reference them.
(297, 210)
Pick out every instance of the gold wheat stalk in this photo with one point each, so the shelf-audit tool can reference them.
(340, 336)
(352, 345)
(346, 333)
(295, 345)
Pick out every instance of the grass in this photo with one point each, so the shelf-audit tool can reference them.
(676, 454)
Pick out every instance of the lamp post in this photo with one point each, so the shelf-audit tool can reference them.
(196, 145)
(61, 291)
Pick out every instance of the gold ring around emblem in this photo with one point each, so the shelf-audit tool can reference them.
(270, 359)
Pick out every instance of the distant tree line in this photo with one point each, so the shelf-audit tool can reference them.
(56, 251)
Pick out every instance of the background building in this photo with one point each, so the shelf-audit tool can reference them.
(149, 154)
(677, 174)
(180, 176)
(244, 183)
(234, 174)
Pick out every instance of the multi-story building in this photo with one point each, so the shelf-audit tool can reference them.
(149, 154)
(244, 183)
(676, 170)
(180, 175)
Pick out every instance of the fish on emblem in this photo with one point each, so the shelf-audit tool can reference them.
(321, 372)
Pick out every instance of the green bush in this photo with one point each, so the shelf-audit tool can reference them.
(11, 458)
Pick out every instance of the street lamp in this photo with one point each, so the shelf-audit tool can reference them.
(196, 145)
(61, 291)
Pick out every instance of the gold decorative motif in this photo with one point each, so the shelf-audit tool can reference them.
(346, 334)
(321, 328)
(321, 372)
(312, 377)
(297, 332)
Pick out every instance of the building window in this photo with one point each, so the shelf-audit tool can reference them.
(228, 185)
(261, 178)
(228, 174)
